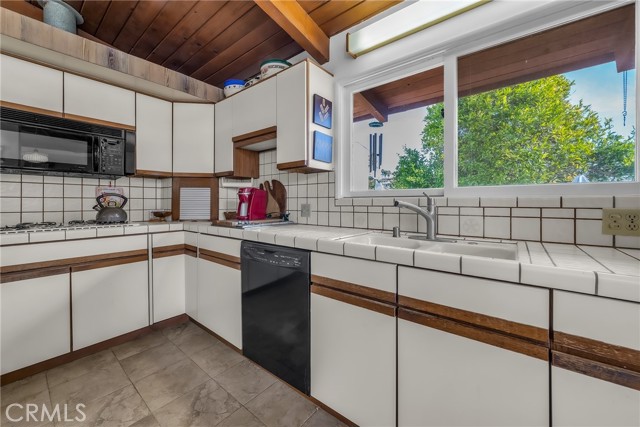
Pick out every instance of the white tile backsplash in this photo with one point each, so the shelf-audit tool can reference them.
(32, 198)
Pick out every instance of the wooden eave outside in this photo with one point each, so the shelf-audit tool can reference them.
(592, 41)
(34, 40)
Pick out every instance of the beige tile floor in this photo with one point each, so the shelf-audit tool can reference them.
(181, 376)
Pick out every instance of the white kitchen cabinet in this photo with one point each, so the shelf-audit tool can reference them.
(219, 287)
(297, 86)
(455, 366)
(86, 98)
(169, 275)
(31, 85)
(353, 345)
(154, 129)
(35, 321)
(191, 277)
(254, 108)
(593, 386)
(223, 135)
(108, 302)
(193, 136)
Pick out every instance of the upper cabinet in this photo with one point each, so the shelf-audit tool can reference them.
(193, 134)
(303, 145)
(85, 98)
(254, 109)
(223, 135)
(30, 85)
(153, 136)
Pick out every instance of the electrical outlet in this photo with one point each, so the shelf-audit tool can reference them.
(623, 222)
(305, 211)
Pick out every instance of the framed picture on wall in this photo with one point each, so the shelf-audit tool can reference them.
(322, 111)
(322, 147)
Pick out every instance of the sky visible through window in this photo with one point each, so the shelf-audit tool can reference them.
(601, 87)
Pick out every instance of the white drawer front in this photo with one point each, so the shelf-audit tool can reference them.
(168, 239)
(220, 244)
(377, 275)
(69, 249)
(518, 303)
(607, 320)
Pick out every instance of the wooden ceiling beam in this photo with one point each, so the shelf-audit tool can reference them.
(372, 104)
(296, 22)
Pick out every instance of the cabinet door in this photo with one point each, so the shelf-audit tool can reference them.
(96, 100)
(168, 286)
(449, 380)
(220, 299)
(191, 287)
(29, 84)
(471, 351)
(255, 108)
(292, 117)
(353, 361)
(595, 388)
(108, 302)
(153, 135)
(35, 321)
(193, 134)
(223, 142)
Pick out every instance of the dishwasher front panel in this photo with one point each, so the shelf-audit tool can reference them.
(276, 311)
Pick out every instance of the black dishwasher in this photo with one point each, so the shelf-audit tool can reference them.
(275, 311)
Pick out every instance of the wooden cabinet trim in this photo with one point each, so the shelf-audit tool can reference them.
(223, 174)
(98, 122)
(33, 274)
(192, 175)
(220, 261)
(173, 250)
(71, 262)
(198, 182)
(594, 369)
(255, 137)
(475, 333)
(598, 351)
(516, 329)
(30, 109)
(292, 165)
(220, 255)
(352, 288)
(153, 174)
(366, 303)
(109, 263)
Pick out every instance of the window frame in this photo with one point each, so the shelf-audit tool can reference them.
(448, 58)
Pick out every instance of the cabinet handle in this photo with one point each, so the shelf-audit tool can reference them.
(366, 303)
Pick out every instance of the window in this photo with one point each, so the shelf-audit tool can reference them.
(391, 125)
(553, 112)
(552, 107)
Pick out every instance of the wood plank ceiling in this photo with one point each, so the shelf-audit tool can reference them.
(210, 40)
(596, 40)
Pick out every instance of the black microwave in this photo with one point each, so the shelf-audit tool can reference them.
(46, 145)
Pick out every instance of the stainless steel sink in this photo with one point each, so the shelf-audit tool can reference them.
(458, 247)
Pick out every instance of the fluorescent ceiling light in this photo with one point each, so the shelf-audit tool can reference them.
(413, 18)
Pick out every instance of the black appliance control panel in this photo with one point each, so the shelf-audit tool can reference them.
(111, 156)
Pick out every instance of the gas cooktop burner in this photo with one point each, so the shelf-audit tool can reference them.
(81, 222)
(35, 225)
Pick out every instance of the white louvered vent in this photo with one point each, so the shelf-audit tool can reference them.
(195, 203)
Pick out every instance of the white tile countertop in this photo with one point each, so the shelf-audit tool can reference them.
(603, 271)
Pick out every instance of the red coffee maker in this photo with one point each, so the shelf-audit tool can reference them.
(252, 204)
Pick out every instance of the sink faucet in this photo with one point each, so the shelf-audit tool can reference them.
(429, 214)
